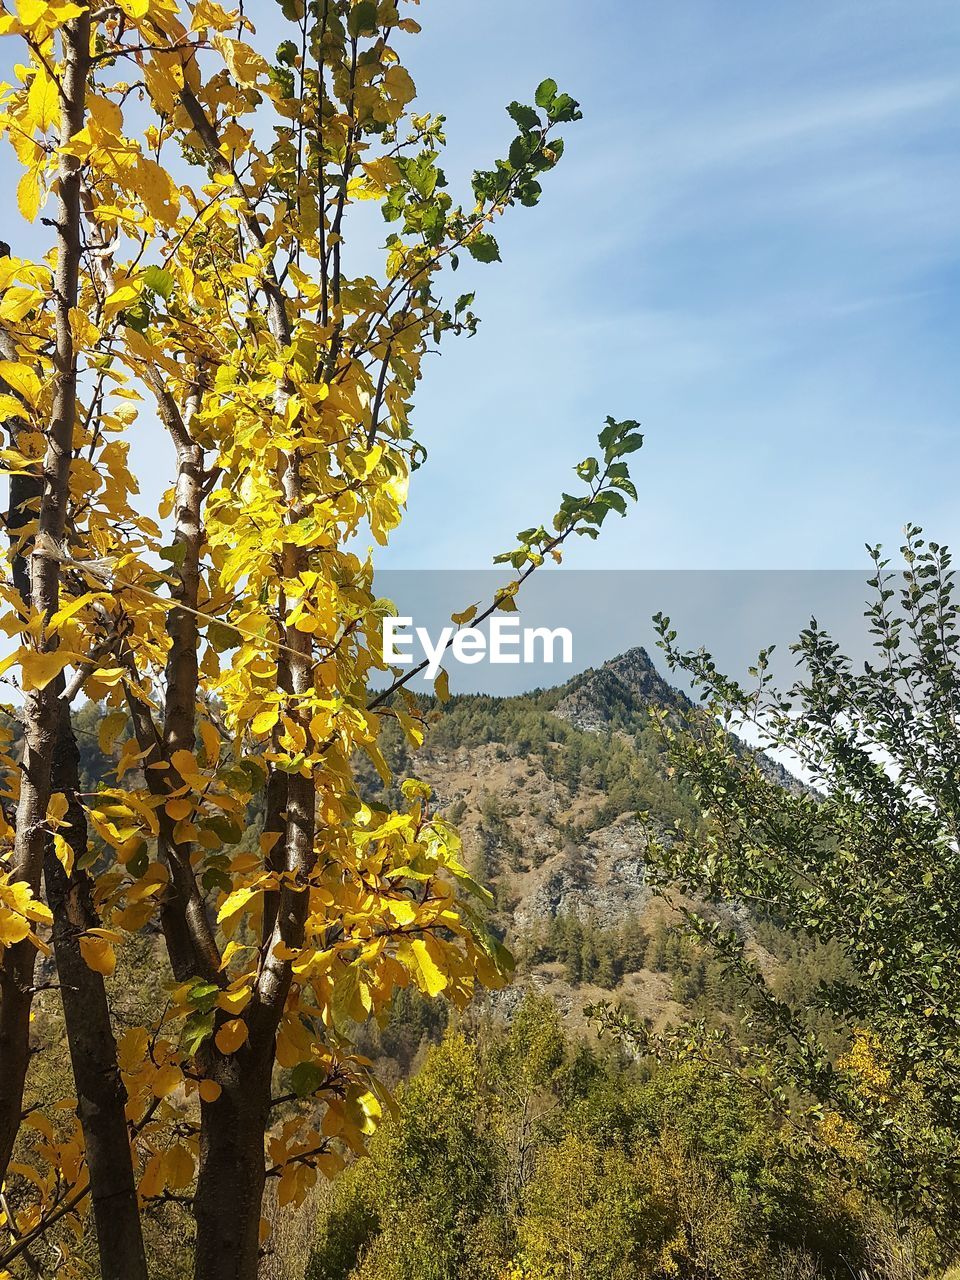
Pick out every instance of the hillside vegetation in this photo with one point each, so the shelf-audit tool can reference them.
(523, 1147)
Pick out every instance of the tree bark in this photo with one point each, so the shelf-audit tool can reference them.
(101, 1097)
(227, 1205)
(183, 668)
(40, 706)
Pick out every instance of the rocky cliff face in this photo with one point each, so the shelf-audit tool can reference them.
(546, 791)
(530, 831)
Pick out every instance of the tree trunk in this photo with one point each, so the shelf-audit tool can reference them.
(40, 710)
(230, 1187)
(184, 898)
(101, 1097)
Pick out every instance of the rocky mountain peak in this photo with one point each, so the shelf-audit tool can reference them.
(615, 693)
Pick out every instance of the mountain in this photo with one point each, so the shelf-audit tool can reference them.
(546, 790)
(621, 689)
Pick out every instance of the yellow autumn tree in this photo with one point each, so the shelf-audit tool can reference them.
(198, 189)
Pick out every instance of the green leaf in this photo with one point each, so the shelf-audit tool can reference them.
(613, 499)
(216, 878)
(174, 554)
(521, 150)
(627, 485)
(629, 444)
(530, 193)
(564, 109)
(137, 865)
(484, 248)
(306, 1078)
(524, 116)
(159, 281)
(223, 637)
(197, 1028)
(363, 19)
(546, 92)
(203, 996)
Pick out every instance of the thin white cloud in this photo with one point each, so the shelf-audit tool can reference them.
(825, 117)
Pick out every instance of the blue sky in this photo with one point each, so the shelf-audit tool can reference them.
(752, 245)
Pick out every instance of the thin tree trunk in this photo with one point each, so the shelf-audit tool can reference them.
(101, 1097)
(183, 672)
(233, 1128)
(40, 706)
(14, 1007)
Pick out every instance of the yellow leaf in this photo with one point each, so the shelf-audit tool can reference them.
(185, 832)
(151, 1184)
(22, 380)
(235, 902)
(38, 669)
(370, 1108)
(132, 919)
(403, 911)
(209, 1090)
(231, 1036)
(178, 1167)
(235, 1001)
(64, 853)
(166, 1081)
(20, 896)
(72, 607)
(468, 615)
(211, 741)
(157, 188)
(206, 13)
(245, 64)
(441, 686)
(111, 726)
(132, 1046)
(177, 809)
(13, 928)
(268, 840)
(415, 956)
(34, 12)
(17, 301)
(9, 407)
(122, 297)
(57, 807)
(43, 101)
(264, 721)
(295, 1182)
(98, 954)
(28, 195)
(30, 12)
(229, 951)
(185, 763)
